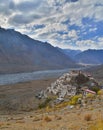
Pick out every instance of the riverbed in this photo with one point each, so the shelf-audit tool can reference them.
(23, 77)
(37, 75)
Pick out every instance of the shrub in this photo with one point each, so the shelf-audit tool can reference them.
(81, 79)
(90, 95)
(88, 117)
(95, 89)
(45, 103)
(100, 92)
(47, 119)
(74, 99)
(61, 105)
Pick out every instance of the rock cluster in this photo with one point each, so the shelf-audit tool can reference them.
(70, 84)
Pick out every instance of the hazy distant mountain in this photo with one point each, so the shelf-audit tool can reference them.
(70, 53)
(20, 53)
(90, 57)
(97, 72)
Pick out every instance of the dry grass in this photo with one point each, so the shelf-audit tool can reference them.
(47, 119)
(88, 117)
(98, 125)
(1, 124)
(20, 121)
(36, 119)
(58, 117)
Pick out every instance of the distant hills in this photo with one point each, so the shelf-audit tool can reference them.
(90, 57)
(70, 53)
(97, 72)
(20, 53)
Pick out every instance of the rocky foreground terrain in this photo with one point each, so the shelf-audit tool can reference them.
(79, 109)
(61, 117)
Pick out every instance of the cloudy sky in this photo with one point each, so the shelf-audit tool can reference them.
(75, 24)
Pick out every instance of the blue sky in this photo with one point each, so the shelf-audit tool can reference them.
(73, 24)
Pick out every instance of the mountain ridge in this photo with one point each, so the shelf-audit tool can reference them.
(69, 52)
(20, 53)
(90, 56)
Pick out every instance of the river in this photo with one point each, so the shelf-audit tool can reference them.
(23, 77)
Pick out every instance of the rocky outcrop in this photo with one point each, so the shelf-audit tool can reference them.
(70, 84)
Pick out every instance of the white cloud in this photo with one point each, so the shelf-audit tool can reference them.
(19, 1)
(92, 29)
(86, 44)
(56, 15)
(100, 42)
(73, 34)
(100, 39)
(83, 8)
(50, 29)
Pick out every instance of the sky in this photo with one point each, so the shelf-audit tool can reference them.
(73, 24)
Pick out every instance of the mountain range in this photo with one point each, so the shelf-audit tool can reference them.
(91, 56)
(69, 52)
(20, 53)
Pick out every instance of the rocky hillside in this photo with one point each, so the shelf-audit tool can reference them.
(20, 110)
(20, 53)
(71, 84)
(70, 53)
(97, 72)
